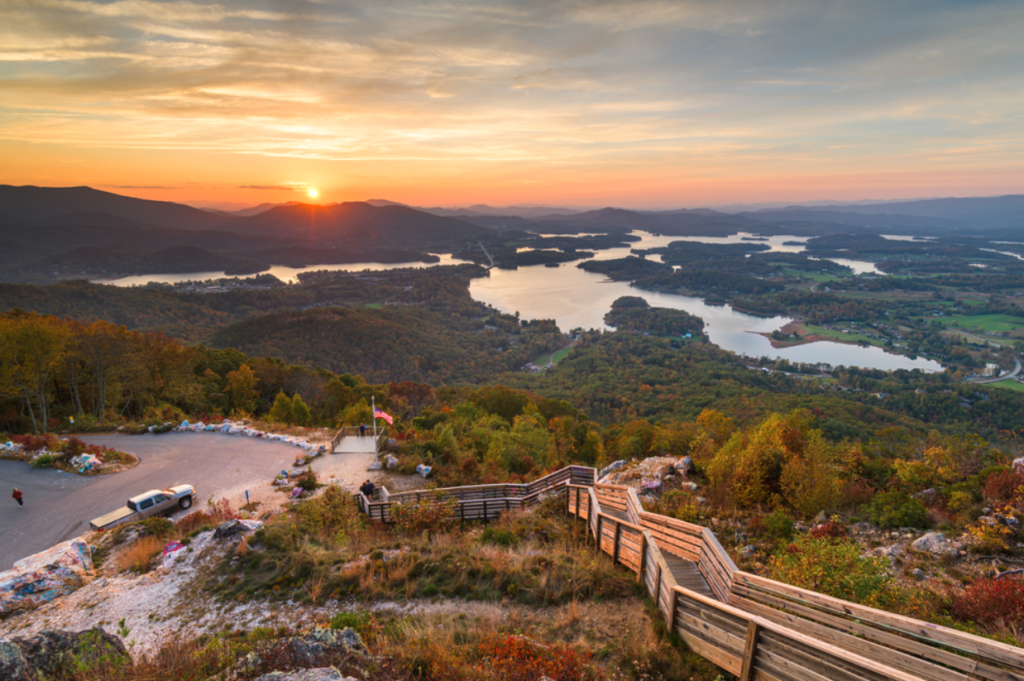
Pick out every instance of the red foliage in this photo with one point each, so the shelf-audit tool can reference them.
(1003, 486)
(833, 529)
(989, 600)
(517, 658)
(857, 493)
(31, 443)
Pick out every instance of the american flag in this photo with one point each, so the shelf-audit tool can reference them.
(378, 414)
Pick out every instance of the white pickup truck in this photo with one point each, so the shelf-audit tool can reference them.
(146, 505)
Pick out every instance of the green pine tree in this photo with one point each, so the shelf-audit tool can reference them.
(300, 412)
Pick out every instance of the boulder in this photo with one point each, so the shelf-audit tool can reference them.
(229, 528)
(320, 647)
(611, 468)
(42, 577)
(54, 654)
(684, 465)
(689, 486)
(932, 542)
(1018, 464)
(318, 674)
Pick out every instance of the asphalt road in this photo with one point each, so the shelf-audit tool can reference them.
(59, 506)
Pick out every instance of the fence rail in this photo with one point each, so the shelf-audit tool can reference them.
(481, 502)
(751, 626)
(757, 628)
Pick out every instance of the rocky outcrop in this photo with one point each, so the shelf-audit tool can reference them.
(319, 649)
(53, 653)
(934, 543)
(318, 674)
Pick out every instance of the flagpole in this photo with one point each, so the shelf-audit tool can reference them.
(373, 406)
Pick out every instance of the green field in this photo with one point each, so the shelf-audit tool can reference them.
(812, 276)
(989, 323)
(1008, 384)
(548, 358)
(838, 335)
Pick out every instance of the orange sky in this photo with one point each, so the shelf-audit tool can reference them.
(642, 104)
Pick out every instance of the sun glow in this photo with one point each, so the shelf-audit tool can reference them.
(313, 193)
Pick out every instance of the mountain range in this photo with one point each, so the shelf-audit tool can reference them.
(49, 233)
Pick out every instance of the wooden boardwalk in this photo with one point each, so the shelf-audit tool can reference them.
(750, 626)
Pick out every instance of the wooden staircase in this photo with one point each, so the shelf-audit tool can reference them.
(750, 626)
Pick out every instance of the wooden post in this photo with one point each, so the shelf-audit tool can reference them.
(657, 589)
(577, 502)
(618, 538)
(462, 512)
(643, 557)
(749, 651)
(599, 542)
(590, 507)
(485, 508)
(672, 611)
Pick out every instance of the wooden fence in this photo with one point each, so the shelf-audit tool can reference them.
(479, 502)
(756, 628)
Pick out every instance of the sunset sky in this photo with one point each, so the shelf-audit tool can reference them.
(642, 104)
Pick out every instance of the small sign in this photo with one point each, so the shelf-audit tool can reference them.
(246, 497)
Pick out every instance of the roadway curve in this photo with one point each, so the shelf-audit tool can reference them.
(1004, 377)
(59, 505)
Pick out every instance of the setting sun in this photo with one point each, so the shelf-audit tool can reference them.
(313, 193)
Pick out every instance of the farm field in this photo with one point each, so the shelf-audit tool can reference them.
(989, 323)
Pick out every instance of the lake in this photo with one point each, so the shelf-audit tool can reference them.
(578, 299)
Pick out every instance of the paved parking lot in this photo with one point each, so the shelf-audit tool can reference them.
(59, 506)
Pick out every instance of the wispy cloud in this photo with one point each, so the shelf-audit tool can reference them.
(795, 85)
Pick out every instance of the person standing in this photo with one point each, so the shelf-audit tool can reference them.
(17, 495)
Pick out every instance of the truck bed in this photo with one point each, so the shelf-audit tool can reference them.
(112, 518)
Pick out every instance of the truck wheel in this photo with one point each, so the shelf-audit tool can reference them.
(185, 503)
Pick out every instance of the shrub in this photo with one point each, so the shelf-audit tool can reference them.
(193, 522)
(498, 537)
(994, 538)
(778, 525)
(161, 528)
(835, 568)
(1004, 486)
(988, 601)
(307, 481)
(833, 529)
(896, 509)
(439, 513)
(44, 461)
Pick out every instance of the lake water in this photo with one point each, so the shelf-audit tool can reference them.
(578, 299)
(288, 275)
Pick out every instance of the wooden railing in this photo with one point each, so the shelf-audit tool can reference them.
(757, 628)
(751, 626)
(479, 502)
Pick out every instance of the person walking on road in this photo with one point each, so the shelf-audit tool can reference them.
(17, 495)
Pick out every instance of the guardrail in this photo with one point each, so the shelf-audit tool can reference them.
(480, 502)
(751, 626)
(757, 628)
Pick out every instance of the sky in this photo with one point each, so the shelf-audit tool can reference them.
(641, 104)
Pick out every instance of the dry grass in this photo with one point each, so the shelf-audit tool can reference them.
(138, 555)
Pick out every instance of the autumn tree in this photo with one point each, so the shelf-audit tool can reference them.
(242, 389)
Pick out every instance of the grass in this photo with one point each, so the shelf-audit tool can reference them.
(1009, 384)
(138, 555)
(988, 323)
(552, 358)
(328, 549)
(837, 334)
